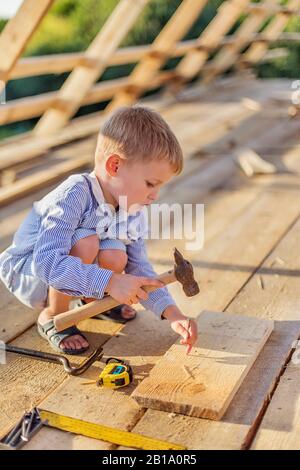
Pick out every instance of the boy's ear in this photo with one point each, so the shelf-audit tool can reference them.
(113, 164)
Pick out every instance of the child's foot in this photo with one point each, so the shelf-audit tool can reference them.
(73, 342)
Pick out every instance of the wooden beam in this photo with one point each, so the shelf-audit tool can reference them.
(34, 106)
(161, 49)
(268, 56)
(272, 9)
(82, 78)
(17, 33)
(228, 55)
(42, 178)
(280, 427)
(256, 51)
(26, 108)
(210, 38)
(58, 63)
(203, 383)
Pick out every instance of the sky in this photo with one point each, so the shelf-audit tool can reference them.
(9, 7)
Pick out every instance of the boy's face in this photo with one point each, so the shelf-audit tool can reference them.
(140, 182)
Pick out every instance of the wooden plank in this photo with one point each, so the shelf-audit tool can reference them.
(25, 108)
(235, 429)
(17, 33)
(38, 180)
(288, 10)
(280, 427)
(203, 383)
(142, 75)
(58, 63)
(82, 78)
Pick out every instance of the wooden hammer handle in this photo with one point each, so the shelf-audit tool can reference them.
(74, 316)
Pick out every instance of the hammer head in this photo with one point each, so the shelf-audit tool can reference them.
(184, 273)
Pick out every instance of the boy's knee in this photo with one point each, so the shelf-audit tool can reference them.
(86, 249)
(115, 260)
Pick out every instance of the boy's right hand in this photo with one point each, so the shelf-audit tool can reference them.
(127, 289)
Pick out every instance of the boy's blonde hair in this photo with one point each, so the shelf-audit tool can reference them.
(139, 134)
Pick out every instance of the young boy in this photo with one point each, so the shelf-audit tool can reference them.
(79, 239)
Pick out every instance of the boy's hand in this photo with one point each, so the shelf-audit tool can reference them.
(127, 289)
(182, 325)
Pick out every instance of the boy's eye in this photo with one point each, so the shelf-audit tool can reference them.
(150, 185)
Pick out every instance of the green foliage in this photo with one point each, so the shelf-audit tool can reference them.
(288, 66)
(2, 24)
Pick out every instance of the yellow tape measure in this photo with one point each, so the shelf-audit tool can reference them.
(117, 373)
(105, 433)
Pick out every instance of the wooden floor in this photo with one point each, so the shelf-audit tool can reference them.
(249, 266)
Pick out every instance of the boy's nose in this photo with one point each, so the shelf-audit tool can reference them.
(153, 196)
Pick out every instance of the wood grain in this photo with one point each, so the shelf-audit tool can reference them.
(203, 383)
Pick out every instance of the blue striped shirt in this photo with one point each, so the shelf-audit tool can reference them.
(70, 212)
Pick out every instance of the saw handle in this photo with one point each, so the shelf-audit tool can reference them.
(74, 316)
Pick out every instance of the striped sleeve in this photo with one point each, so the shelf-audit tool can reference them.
(139, 265)
(52, 262)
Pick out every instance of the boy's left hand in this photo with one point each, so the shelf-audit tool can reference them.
(182, 325)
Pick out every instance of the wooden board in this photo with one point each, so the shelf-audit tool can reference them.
(17, 33)
(203, 383)
(280, 427)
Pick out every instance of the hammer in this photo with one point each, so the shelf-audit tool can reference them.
(182, 272)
